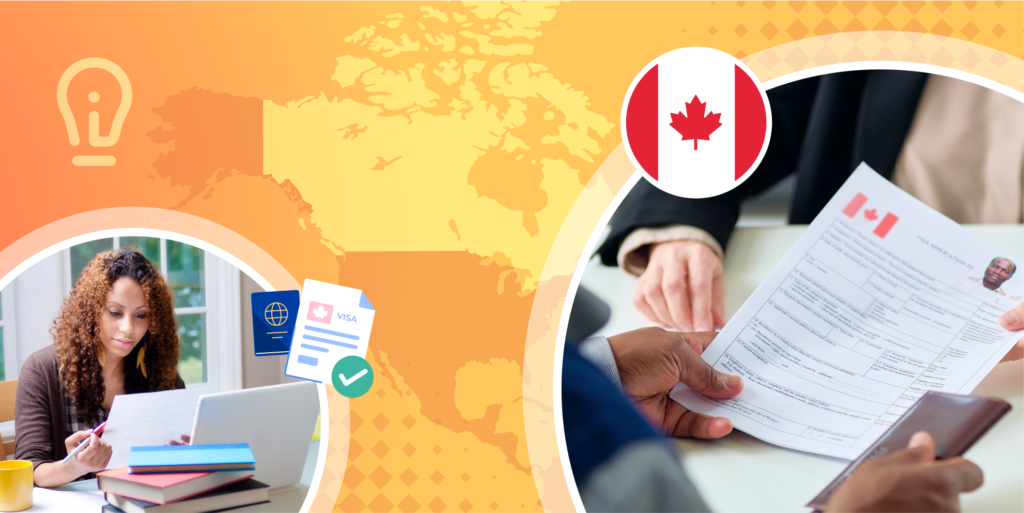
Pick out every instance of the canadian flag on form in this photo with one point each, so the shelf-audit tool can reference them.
(870, 214)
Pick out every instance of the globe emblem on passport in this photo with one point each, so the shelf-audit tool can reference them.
(276, 314)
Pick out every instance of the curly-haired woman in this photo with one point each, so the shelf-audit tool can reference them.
(115, 334)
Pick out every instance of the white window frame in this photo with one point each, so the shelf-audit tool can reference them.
(223, 317)
(223, 325)
(10, 334)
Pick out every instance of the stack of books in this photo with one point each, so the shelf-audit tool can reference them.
(183, 478)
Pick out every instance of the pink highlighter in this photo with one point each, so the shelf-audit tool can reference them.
(98, 430)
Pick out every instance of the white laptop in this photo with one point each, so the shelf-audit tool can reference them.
(276, 421)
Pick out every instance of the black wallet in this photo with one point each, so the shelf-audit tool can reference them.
(955, 421)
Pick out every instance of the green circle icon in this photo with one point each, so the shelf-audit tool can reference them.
(352, 376)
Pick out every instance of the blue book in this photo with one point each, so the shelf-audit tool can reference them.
(273, 321)
(190, 458)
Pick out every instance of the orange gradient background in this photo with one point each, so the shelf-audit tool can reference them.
(461, 334)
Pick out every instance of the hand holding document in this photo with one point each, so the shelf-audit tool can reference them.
(149, 419)
(881, 300)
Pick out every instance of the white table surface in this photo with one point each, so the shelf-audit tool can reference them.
(286, 499)
(741, 473)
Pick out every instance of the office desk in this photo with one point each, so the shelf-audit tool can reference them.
(287, 499)
(741, 473)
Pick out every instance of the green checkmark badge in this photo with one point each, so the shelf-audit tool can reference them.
(352, 376)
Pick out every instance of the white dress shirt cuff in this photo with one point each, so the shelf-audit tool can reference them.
(598, 351)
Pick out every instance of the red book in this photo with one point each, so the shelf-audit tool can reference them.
(166, 488)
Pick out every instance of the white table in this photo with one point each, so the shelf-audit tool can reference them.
(287, 499)
(740, 473)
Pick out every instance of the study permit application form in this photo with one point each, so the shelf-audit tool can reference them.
(880, 300)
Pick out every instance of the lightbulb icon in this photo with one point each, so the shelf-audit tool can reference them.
(95, 139)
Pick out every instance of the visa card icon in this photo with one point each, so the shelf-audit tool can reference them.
(334, 322)
(273, 320)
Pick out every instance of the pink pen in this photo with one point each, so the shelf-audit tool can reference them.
(98, 430)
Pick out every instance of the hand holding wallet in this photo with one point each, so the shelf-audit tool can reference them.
(956, 422)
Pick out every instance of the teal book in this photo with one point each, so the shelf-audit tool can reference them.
(190, 458)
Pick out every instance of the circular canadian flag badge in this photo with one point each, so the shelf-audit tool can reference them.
(697, 122)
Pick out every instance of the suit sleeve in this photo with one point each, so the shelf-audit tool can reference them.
(646, 206)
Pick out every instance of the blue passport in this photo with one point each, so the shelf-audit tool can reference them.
(190, 458)
(273, 321)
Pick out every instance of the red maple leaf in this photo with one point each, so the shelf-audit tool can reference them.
(694, 125)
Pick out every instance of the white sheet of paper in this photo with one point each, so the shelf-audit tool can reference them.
(334, 322)
(858, 321)
(149, 419)
(62, 501)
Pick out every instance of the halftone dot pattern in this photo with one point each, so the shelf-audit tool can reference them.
(400, 460)
(996, 25)
(914, 48)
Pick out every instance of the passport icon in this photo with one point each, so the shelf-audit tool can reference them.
(273, 321)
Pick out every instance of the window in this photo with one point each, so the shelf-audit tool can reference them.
(186, 276)
(82, 254)
(184, 267)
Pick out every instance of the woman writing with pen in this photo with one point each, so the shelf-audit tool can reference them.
(116, 334)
